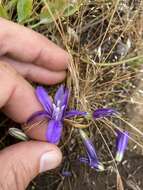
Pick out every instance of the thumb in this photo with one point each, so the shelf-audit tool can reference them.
(23, 161)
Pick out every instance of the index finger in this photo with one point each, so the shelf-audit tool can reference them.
(18, 100)
(26, 45)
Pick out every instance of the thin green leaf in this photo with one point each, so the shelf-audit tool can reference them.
(133, 60)
(56, 8)
(11, 4)
(60, 8)
(24, 9)
(3, 12)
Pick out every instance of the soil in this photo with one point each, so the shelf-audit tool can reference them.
(135, 108)
(131, 171)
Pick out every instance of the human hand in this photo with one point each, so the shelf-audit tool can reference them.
(27, 53)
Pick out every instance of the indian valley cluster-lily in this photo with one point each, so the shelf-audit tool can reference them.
(56, 111)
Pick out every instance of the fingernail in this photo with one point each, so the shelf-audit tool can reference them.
(49, 160)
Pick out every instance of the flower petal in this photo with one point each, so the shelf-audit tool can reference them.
(44, 99)
(73, 113)
(92, 156)
(65, 98)
(54, 131)
(90, 150)
(103, 112)
(38, 115)
(97, 165)
(59, 94)
(92, 159)
(122, 142)
(61, 97)
(66, 173)
(119, 134)
(84, 160)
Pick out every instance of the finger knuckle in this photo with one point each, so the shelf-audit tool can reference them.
(7, 70)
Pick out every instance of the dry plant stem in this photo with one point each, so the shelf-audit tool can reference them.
(29, 126)
(128, 25)
(114, 10)
(106, 144)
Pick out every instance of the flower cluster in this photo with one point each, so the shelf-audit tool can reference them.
(56, 111)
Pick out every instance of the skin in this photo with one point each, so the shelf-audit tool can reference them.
(25, 54)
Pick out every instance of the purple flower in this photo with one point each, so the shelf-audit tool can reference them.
(91, 158)
(121, 144)
(103, 112)
(66, 173)
(55, 111)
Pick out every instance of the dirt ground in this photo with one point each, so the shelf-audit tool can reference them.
(131, 170)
